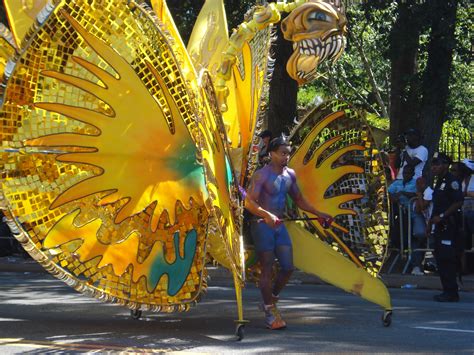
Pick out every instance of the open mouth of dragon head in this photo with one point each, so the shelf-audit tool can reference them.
(318, 32)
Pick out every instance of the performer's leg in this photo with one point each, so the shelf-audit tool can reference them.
(284, 254)
(264, 241)
(266, 259)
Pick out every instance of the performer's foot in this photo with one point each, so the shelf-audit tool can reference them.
(273, 318)
(446, 298)
(274, 300)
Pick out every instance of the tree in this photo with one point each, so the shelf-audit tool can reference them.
(283, 89)
(403, 53)
(435, 89)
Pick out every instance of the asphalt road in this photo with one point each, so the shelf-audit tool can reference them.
(39, 314)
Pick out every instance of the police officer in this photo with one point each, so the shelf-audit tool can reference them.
(445, 223)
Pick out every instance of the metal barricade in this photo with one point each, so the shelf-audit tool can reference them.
(410, 249)
(469, 206)
(403, 220)
(406, 234)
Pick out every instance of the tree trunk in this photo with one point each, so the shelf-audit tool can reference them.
(404, 42)
(438, 70)
(283, 90)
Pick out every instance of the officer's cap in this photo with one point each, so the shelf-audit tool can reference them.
(441, 158)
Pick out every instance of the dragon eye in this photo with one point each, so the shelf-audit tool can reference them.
(318, 16)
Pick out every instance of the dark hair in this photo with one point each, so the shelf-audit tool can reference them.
(275, 143)
(265, 133)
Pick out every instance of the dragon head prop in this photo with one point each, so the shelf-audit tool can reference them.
(317, 29)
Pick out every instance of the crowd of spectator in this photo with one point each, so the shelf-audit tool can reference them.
(440, 214)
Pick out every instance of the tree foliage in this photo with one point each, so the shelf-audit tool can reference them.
(407, 45)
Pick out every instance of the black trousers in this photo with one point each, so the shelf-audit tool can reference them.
(447, 261)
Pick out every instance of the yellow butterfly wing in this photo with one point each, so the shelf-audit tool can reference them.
(99, 156)
(340, 172)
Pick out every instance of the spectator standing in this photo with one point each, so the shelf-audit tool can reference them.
(463, 172)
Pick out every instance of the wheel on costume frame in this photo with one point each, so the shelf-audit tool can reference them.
(387, 318)
(239, 331)
(135, 314)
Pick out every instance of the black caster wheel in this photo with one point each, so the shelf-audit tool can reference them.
(135, 314)
(387, 318)
(239, 331)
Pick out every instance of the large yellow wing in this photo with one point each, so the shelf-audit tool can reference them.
(340, 172)
(250, 78)
(164, 15)
(99, 158)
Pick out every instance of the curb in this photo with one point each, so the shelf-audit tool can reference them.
(426, 282)
(220, 275)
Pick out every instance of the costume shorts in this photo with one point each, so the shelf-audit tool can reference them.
(266, 238)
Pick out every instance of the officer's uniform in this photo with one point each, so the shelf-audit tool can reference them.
(447, 191)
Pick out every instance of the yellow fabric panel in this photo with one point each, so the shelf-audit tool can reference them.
(93, 161)
(206, 45)
(313, 256)
(209, 37)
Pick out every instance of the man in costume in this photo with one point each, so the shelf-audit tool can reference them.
(445, 222)
(266, 199)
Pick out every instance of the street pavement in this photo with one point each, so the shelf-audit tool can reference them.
(393, 280)
(39, 314)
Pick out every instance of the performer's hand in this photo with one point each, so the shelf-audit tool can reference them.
(272, 220)
(325, 220)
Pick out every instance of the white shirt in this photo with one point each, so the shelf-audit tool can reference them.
(470, 186)
(419, 152)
